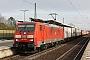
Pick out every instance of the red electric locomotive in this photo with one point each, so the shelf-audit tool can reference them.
(31, 36)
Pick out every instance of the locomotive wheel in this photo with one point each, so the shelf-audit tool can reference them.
(43, 47)
(38, 49)
(46, 46)
(56, 43)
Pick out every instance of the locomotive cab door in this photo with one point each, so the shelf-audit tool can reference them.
(42, 32)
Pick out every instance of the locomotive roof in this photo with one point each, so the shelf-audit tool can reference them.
(49, 22)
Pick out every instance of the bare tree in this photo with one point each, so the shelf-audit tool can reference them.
(11, 21)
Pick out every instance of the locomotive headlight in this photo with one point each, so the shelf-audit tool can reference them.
(31, 40)
(24, 32)
(17, 40)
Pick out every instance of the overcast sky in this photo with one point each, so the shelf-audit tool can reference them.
(76, 12)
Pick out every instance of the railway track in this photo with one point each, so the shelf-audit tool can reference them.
(75, 52)
(14, 57)
(31, 56)
(60, 51)
(55, 53)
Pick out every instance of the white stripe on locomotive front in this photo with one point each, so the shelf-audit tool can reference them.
(17, 36)
(30, 36)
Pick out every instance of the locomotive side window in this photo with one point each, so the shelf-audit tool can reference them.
(40, 27)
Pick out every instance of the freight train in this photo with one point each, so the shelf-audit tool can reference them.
(39, 34)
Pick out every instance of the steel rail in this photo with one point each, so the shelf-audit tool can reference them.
(81, 49)
(43, 53)
(69, 50)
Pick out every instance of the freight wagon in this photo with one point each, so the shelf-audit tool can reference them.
(6, 34)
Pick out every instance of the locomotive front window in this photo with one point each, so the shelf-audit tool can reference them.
(30, 27)
(21, 27)
(25, 27)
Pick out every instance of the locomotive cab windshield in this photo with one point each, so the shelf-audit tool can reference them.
(26, 27)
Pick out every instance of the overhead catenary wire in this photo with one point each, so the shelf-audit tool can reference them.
(55, 9)
(82, 11)
(80, 7)
(37, 6)
(52, 6)
(41, 7)
(75, 8)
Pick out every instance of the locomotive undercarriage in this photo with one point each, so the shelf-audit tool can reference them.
(24, 47)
